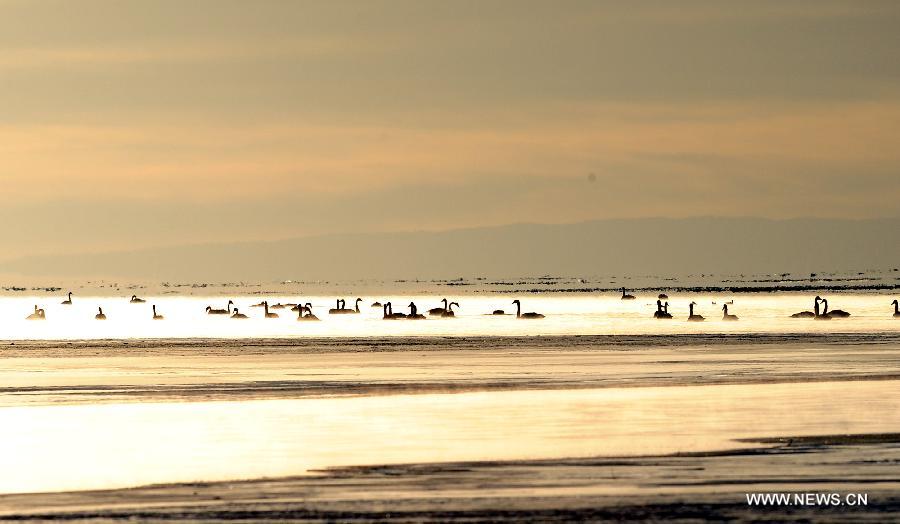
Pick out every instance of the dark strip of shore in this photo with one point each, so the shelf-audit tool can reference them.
(35, 348)
(689, 487)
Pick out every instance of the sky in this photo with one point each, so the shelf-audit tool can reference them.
(132, 124)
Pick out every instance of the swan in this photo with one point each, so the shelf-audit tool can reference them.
(449, 313)
(309, 314)
(438, 311)
(691, 316)
(837, 313)
(267, 314)
(519, 313)
(342, 308)
(238, 314)
(660, 312)
(211, 311)
(156, 316)
(413, 312)
(725, 315)
(896, 309)
(825, 315)
(809, 314)
(100, 315)
(498, 312)
(37, 315)
(136, 300)
(339, 308)
(68, 301)
(626, 296)
(389, 312)
(665, 312)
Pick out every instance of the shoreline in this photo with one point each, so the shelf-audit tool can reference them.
(677, 486)
(353, 344)
(43, 372)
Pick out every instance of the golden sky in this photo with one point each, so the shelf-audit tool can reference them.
(141, 123)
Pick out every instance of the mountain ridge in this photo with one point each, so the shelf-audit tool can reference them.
(613, 246)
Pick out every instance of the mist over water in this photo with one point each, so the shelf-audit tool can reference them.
(185, 317)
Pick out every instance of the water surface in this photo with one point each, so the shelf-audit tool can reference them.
(185, 317)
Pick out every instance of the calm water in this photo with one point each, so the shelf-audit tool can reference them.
(185, 316)
(75, 447)
(54, 437)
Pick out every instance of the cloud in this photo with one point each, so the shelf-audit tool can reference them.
(482, 111)
(199, 162)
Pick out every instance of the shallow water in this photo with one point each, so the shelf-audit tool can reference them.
(565, 315)
(78, 447)
(81, 416)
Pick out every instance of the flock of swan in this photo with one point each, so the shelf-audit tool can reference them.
(304, 311)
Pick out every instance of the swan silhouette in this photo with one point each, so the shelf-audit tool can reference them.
(413, 312)
(809, 314)
(136, 300)
(237, 314)
(211, 311)
(37, 315)
(519, 313)
(449, 313)
(157, 316)
(389, 312)
(896, 309)
(626, 296)
(691, 316)
(725, 315)
(338, 308)
(837, 313)
(100, 315)
(438, 311)
(342, 308)
(68, 301)
(309, 316)
(267, 314)
(660, 312)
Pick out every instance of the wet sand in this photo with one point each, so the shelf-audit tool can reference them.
(94, 371)
(697, 484)
(687, 487)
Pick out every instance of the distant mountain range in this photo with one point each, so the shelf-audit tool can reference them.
(607, 247)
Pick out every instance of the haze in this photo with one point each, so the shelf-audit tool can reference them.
(129, 125)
